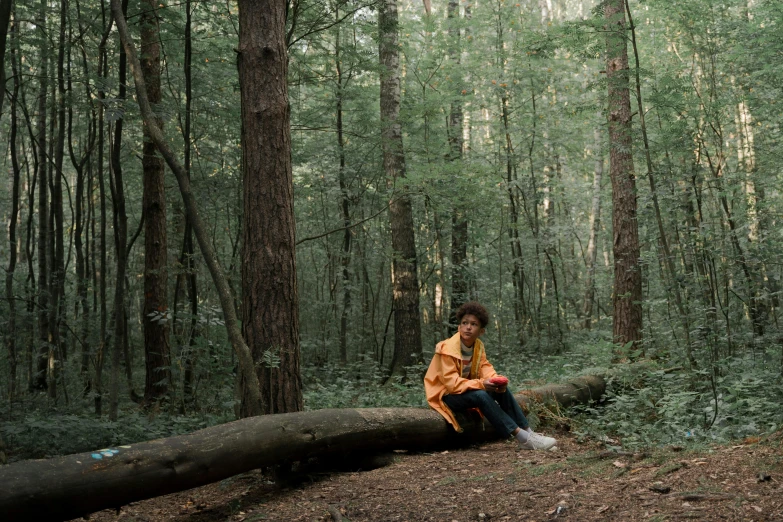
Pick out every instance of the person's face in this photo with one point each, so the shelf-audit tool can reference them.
(470, 329)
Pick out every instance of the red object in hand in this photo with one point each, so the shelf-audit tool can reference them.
(499, 380)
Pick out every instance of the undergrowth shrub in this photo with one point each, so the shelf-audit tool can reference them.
(361, 385)
(648, 404)
(41, 434)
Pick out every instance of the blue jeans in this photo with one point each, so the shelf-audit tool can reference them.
(500, 409)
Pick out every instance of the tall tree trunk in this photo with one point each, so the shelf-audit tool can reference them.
(29, 248)
(746, 160)
(30, 283)
(50, 244)
(758, 216)
(269, 293)
(459, 220)
(81, 225)
(407, 327)
(117, 188)
(103, 71)
(513, 190)
(40, 381)
(345, 259)
(438, 299)
(595, 224)
(156, 326)
(627, 294)
(82, 306)
(187, 259)
(57, 285)
(12, 239)
(531, 213)
(518, 272)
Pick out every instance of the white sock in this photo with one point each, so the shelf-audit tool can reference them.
(529, 429)
(522, 436)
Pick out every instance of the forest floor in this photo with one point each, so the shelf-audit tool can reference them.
(580, 481)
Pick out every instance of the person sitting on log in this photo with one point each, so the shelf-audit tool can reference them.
(461, 378)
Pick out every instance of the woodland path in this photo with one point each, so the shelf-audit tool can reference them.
(581, 481)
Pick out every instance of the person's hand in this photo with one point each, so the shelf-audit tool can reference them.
(493, 388)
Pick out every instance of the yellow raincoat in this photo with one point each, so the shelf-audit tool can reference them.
(444, 375)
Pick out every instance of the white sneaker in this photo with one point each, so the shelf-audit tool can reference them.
(536, 441)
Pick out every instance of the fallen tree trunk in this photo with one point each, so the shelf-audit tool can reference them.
(76, 485)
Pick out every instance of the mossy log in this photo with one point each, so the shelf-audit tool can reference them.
(75, 485)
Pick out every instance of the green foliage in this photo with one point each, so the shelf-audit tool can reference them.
(270, 359)
(648, 404)
(359, 385)
(43, 434)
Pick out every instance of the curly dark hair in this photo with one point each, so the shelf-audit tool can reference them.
(476, 309)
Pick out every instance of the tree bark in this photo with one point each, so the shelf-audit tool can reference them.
(407, 327)
(270, 302)
(76, 485)
(156, 324)
(627, 295)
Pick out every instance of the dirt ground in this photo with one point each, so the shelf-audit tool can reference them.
(576, 482)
